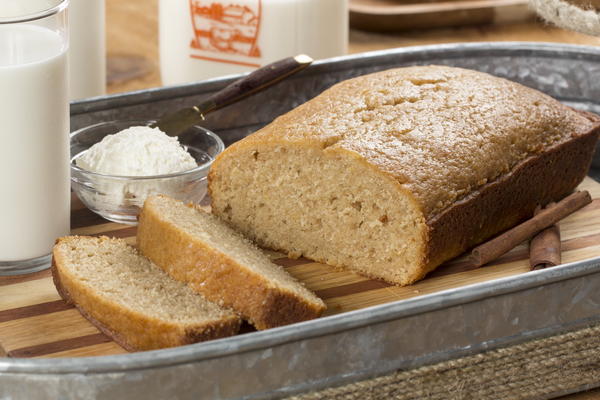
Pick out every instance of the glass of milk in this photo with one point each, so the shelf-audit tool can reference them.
(201, 39)
(34, 132)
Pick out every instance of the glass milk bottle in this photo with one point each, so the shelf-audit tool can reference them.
(201, 39)
(87, 48)
(34, 132)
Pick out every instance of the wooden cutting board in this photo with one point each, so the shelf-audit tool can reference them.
(35, 322)
(404, 15)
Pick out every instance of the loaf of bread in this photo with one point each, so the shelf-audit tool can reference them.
(196, 247)
(132, 300)
(391, 174)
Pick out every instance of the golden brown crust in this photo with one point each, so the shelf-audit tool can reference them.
(218, 277)
(505, 202)
(131, 330)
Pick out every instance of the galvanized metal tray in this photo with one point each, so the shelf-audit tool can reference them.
(359, 344)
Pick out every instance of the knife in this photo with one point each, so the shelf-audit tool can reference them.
(176, 123)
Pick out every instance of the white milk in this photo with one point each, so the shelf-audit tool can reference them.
(87, 48)
(201, 39)
(34, 141)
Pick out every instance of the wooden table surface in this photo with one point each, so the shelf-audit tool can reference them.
(132, 45)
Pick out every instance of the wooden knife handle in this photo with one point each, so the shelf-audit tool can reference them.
(255, 81)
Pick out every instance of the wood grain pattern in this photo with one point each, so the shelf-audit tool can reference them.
(35, 322)
(387, 16)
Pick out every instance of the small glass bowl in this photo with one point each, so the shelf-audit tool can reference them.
(120, 198)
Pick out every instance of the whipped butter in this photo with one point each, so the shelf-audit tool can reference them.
(137, 151)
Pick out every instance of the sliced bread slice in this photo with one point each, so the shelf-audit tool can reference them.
(196, 247)
(132, 300)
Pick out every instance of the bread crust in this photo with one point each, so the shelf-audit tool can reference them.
(219, 277)
(131, 330)
(65, 295)
(512, 198)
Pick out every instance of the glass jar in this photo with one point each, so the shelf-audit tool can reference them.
(201, 39)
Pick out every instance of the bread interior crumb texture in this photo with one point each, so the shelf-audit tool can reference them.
(344, 212)
(115, 270)
(223, 239)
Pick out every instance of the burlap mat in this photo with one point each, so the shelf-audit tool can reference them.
(533, 370)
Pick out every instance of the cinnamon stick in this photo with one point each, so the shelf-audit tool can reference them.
(508, 240)
(544, 248)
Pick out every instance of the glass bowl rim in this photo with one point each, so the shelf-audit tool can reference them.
(201, 167)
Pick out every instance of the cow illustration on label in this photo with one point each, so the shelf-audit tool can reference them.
(226, 31)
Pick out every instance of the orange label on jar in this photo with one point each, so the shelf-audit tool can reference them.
(225, 31)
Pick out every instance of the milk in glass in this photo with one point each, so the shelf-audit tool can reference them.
(34, 143)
